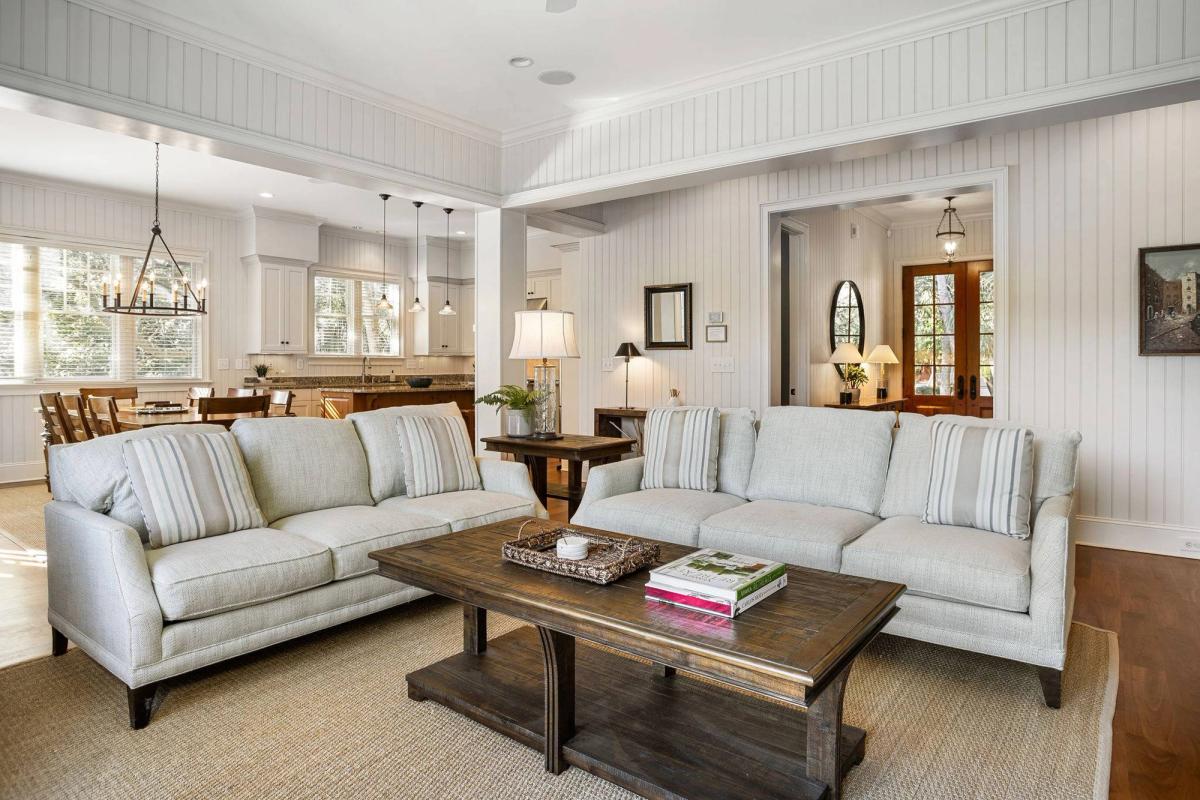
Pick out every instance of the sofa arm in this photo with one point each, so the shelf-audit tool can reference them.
(610, 480)
(510, 477)
(1052, 574)
(100, 593)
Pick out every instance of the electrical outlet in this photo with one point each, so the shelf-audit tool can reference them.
(721, 364)
(608, 364)
(1190, 546)
(299, 363)
(222, 363)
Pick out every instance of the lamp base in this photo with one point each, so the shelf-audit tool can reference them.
(545, 436)
(881, 393)
(846, 398)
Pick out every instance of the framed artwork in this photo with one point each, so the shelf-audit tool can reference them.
(1169, 300)
(716, 333)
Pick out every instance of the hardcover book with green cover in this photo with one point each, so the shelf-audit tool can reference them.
(718, 574)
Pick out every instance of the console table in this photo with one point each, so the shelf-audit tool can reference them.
(870, 404)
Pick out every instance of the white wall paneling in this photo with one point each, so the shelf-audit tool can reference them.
(82, 54)
(1083, 197)
(999, 63)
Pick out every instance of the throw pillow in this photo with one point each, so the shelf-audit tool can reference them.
(191, 486)
(981, 477)
(680, 445)
(437, 455)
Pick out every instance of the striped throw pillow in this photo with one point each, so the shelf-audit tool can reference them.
(981, 477)
(680, 445)
(437, 455)
(191, 486)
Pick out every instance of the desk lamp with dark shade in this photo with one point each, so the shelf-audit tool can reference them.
(627, 350)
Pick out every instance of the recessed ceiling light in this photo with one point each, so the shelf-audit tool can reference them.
(520, 62)
(461, 233)
(556, 77)
(317, 180)
(266, 195)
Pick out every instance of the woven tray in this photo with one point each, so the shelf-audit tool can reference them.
(609, 557)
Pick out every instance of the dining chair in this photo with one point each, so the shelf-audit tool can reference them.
(103, 412)
(54, 414)
(234, 391)
(115, 392)
(281, 402)
(196, 392)
(255, 405)
(78, 420)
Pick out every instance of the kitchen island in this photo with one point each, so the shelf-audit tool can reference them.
(338, 401)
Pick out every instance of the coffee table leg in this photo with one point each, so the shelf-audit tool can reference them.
(559, 652)
(825, 734)
(474, 629)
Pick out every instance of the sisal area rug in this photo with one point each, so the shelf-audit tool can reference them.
(328, 716)
(21, 515)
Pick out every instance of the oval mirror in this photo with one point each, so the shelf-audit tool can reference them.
(846, 323)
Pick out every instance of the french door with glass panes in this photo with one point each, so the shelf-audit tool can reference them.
(949, 338)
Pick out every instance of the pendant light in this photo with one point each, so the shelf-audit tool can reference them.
(384, 306)
(143, 300)
(447, 310)
(417, 306)
(948, 233)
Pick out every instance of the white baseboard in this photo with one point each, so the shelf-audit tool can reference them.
(20, 472)
(1143, 537)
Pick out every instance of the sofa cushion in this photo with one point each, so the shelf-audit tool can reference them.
(735, 456)
(822, 456)
(1054, 457)
(350, 532)
(190, 487)
(93, 473)
(220, 573)
(437, 455)
(795, 533)
(980, 477)
(466, 509)
(680, 445)
(303, 464)
(385, 457)
(944, 561)
(670, 515)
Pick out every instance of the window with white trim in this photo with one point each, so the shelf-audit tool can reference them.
(347, 320)
(52, 325)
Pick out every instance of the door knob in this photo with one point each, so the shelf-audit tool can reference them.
(974, 387)
(960, 387)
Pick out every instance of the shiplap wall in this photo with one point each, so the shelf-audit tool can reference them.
(1086, 196)
(1012, 63)
(80, 49)
(832, 256)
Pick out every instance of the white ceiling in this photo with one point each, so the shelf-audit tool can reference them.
(452, 55)
(929, 209)
(48, 149)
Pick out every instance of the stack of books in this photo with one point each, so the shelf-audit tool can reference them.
(716, 582)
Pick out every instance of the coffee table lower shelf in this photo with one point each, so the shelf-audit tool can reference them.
(656, 735)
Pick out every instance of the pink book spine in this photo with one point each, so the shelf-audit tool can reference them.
(700, 603)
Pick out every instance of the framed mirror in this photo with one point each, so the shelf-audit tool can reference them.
(846, 321)
(669, 316)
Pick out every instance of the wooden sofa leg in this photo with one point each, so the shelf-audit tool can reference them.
(1051, 685)
(58, 642)
(141, 704)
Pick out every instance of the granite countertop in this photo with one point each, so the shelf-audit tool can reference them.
(349, 382)
(392, 388)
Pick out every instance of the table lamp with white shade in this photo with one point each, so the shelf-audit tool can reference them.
(846, 353)
(545, 335)
(882, 355)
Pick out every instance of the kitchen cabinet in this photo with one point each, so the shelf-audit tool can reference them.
(437, 335)
(278, 309)
(548, 286)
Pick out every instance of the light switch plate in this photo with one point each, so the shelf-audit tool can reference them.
(299, 363)
(721, 364)
(608, 364)
(222, 363)
(716, 317)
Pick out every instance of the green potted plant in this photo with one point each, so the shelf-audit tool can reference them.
(856, 377)
(516, 405)
(261, 370)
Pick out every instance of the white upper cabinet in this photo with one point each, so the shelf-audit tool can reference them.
(278, 311)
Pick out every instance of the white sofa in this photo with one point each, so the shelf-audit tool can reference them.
(841, 490)
(331, 492)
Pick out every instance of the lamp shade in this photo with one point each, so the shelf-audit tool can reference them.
(627, 350)
(846, 353)
(544, 334)
(882, 354)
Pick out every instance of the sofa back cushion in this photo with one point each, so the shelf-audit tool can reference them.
(300, 464)
(681, 445)
(823, 456)
(93, 475)
(385, 458)
(190, 487)
(1054, 458)
(735, 456)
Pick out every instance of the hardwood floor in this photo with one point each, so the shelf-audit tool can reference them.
(1152, 602)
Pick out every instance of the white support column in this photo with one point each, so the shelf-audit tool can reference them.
(575, 419)
(499, 291)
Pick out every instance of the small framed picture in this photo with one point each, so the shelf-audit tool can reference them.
(716, 333)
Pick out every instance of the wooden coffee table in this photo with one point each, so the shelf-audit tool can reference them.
(640, 725)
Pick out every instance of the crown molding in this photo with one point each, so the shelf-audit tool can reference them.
(147, 16)
(974, 12)
(930, 223)
(262, 212)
